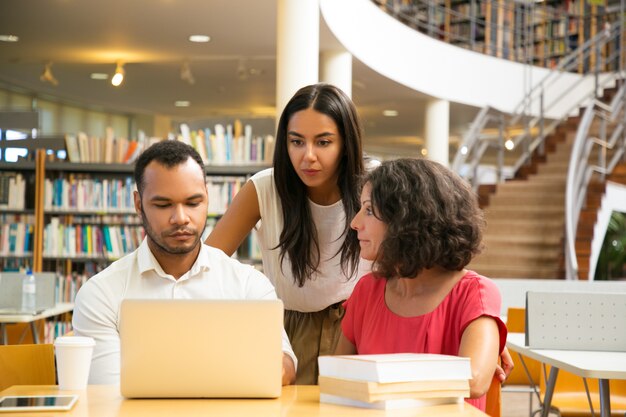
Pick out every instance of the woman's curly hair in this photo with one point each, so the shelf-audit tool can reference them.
(432, 217)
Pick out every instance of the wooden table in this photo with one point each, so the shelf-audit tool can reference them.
(5, 319)
(296, 401)
(587, 364)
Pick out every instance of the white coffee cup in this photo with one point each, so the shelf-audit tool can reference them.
(73, 355)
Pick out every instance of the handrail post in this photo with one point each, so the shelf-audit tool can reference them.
(596, 93)
(501, 150)
(541, 122)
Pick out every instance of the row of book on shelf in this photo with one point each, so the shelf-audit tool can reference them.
(89, 194)
(93, 236)
(89, 240)
(109, 149)
(12, 191)
(115, 195)
(55, 328)
(16, 234)
(65, 290)
(232, 144)
(228, 144)
(392, 381)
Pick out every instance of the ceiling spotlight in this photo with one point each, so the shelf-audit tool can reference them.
(186, 75)
(118, 77)
(199, 38)
(182, 103)
(99, 76)
(46, 75)
(9, 38)
(390, 113)
(509, 144)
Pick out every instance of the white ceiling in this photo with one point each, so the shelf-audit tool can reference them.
(150, 36)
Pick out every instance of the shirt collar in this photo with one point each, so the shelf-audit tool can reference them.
(147, 262)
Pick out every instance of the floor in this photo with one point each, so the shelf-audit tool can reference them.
(516, 404)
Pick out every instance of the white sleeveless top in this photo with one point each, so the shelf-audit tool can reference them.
(328, 285)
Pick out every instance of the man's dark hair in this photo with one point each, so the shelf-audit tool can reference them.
(168, 153)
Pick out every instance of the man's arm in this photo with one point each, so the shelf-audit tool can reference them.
(259, 287)
(95, 315)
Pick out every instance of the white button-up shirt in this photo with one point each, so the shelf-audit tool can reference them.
(138, 275)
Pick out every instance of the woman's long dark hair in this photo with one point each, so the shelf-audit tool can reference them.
(298, 238)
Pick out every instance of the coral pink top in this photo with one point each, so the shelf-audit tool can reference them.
(373, 328)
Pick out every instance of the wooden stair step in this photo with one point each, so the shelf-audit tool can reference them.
(512, 225)
(524, 212)
(528, 198)
(530, 186)
(522, 251)
(553, 168)
(522, 240)
(507, 271)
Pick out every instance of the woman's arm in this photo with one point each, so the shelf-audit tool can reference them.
(344, 346)
(289, 370)
(241, 216)
(504, 369)
(480, 342)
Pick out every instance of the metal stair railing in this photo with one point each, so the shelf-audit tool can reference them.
(536, 128)
(581, 168)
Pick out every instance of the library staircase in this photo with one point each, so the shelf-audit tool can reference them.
(525, 232)
(523, 237)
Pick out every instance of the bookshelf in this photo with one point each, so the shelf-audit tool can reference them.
(88, 214)
(538, 33)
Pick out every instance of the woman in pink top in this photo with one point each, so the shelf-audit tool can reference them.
(420, 224)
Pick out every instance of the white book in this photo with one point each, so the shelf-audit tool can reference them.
(395, 367)
(185, 134)
(71, 146)
(219, 153)
(390, 404)
(247, 142)
(19, 238)
(83, 147)
(109, 140)
(268, 149)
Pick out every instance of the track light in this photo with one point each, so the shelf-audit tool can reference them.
(46, 75)
(118, 77)
(186, 75)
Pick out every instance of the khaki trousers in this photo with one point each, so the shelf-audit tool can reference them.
(312, 335)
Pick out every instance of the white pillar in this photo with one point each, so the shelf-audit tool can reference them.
(437, 130)
(336, 69)
(297, 48)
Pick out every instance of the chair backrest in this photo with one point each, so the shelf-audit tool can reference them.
(493, 407)
(27, 365)
(576, 321)
(516, 323)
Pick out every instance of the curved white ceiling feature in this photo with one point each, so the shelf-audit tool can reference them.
(437, 68)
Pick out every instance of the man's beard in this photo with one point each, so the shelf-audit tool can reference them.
(159, 240)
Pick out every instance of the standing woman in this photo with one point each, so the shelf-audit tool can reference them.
(304, 205)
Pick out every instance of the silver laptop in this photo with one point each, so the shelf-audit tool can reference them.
(201, 348)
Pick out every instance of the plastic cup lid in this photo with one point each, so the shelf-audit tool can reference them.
(78, 341)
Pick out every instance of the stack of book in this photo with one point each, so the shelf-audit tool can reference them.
(391, 381)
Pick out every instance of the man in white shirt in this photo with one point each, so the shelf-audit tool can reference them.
(172, 262)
